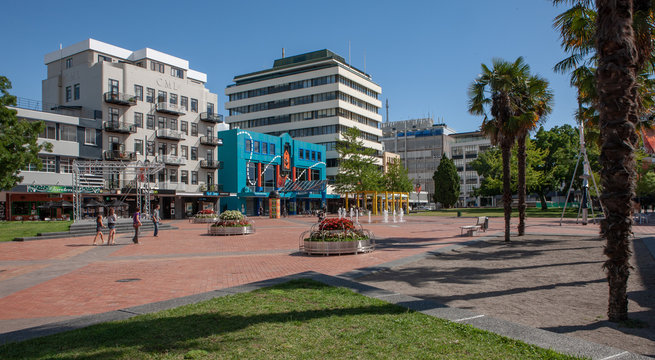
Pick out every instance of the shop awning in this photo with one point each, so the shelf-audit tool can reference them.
(305, 186)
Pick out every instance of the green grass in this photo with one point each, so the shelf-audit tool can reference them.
(12, 229)
(300, 319)
(498, 212)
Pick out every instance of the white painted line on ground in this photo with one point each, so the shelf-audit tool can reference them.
(616, 355)
(469, 318)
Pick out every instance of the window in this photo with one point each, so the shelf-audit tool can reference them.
(194, 178)
(50, 131)
(194, 129)
(150, 95)
(264, 148)
(307, 154)
(184, 127)
(173, 99)
(150, 148)
(68, 132)
(210, 132)
(256, 143)
(194, 153)
(172, 175)
(69, 93)
(161, 149)
(156, 66)
(210, 108)
(66, 165)
(184, 151)
(69, 63)
(90, 136)
(184, 102)
(172, 124)
(271, 149)
(248, 145)
(138, 146)
(301, 153)
(113, 86)
(138, 119)
(161, 122)
(318, 156)
(178, 73)
(184, 176)
(113, 115)
(172, 149)
(150, 122)
(138, 92)
(194, 105)
(102, 58)
(49, 163)
(161, 96)
(313, 155)
(76, 92)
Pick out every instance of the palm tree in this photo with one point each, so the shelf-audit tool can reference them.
(498, 88)
(534, 104)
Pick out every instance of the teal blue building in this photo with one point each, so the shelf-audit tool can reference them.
(254, 164)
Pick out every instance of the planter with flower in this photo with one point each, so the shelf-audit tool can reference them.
(205, 216)
(336, 236)
(232, 222)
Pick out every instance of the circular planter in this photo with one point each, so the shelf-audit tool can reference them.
(337, 247)
(197, 220)
(231, 230)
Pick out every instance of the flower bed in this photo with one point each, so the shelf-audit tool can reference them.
(336, 236)
(232, 222)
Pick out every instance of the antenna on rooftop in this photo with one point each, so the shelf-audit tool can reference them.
(348, 52)
(387, 105)
(283, 53)
(364, 61)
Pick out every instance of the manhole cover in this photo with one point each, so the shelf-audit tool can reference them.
(127, 280)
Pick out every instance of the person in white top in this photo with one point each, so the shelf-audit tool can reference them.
(111, 224)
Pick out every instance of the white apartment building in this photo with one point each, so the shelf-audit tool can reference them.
(314, 97)
(152, 106)
(464, 148)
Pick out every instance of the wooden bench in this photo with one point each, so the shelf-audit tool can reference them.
(472, 230)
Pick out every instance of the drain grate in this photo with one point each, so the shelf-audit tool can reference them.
(128, 280)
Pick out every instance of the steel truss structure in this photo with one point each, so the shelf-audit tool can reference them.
(135, 174)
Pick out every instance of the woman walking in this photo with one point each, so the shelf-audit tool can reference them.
(136, 222)
(99, 227)
(111, 224)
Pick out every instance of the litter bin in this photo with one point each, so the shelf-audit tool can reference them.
(459, 214)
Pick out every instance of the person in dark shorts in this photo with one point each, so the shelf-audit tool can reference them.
(99, 227)
(111, 224)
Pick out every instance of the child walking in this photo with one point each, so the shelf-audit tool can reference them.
(99, 227)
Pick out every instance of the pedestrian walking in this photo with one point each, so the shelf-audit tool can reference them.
(99, 227)
(156, 219)
(136, 222)
(111, 224)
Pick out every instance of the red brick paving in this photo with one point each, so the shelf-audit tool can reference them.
(185, 262)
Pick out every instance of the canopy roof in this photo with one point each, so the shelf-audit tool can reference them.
(305, 186)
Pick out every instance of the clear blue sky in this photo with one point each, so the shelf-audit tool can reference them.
(424, 54)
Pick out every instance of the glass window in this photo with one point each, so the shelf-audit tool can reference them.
(151, 148)
(69, 93)
(76, 92)
(161, 96)
(90, 136)
(194, 129)
(150, 122)
(194, 178)
(102, 58)
(68, 132)
(185, 151)
(150, 95)
(69, 63)
(271, 149)
(264, 148)
(248, 145)
(184, 127)
(49, 163)
(194, 153)
(318, 156)
(184, 176)
(113, 115)
(210, 108)
(256, 143)
(113, 86)
(138, 146)
(172, 175)
(50, 131)
(313, 155)
(194, 105)
(138, 92)
(307, 154)
(184, 102)
(301, 153)
(138, 119)
(66, 165)
(178, 73)
(172, 149)
(173, 99)
(172, 124)
(161, 122)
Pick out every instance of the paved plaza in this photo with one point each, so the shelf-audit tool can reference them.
(61, 279)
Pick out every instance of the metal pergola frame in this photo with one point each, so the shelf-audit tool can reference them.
(138, 173)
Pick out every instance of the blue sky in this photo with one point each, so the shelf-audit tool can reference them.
(424, 54)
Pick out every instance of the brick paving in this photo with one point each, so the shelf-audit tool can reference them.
(43, 281)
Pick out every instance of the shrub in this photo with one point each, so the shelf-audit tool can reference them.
(336, 224)
(231, 215)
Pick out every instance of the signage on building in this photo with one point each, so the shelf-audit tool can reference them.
(3, 210)
(62, 189)
(216, 193)
(286, 157)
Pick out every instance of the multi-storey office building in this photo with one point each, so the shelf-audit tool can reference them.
(151, 106)
(421, 143)
(314, 97)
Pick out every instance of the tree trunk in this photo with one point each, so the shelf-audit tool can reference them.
(544, 203)
(617, 90)
(520, 154)
(507, 190)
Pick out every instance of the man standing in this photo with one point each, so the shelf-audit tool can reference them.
(136, 223)
(156, 219)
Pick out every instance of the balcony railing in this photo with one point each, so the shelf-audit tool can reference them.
(119, 127)
(210, 117)
(458, 156)
(211, 164)
(180, 186)
(211, 141)
(120, 98)
(119, 155)
(169, 134)
(168, 108)
(172, 160)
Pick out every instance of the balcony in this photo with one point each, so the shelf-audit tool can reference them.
(168, 134)
(119, 155)
(211, 141)
(211, 118)
(215, 187)
(171, 109)
(119, 127)
(471, 155)
(120, 99)
(456, 157)
(211, 164)
(172, 160)
(179, 186)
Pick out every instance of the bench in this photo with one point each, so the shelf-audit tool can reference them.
(472, 230)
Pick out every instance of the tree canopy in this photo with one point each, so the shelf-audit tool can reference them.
(358, 170)
(18, 140)
(446, 183)
(397, 178)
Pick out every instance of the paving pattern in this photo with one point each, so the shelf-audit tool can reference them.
(51, 280)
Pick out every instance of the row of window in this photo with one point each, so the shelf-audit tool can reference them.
(323, 130)
(161, 148)
(49, 163)
(301, 100)
(259, 147)
(267, 176)
(65, 132)
(309, 154)
(302, 84)
(272, 120)
(162, 97)
(72, 92)
(162, 123)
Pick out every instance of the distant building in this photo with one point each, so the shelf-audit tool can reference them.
(313, 97)
(389, 158)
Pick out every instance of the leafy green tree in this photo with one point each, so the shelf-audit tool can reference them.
(446, 183)
(358, 170)
(18, 140)
(397, 179)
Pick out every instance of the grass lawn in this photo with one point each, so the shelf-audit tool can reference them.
(12, 229)
(498, 212)
(299, 319)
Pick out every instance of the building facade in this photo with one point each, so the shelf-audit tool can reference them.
(256, 164)
(314, 97)
(150, 106)
(464, 148)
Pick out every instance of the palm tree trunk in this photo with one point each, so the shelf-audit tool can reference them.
(507, 190)
(617, 105)
(520, 154)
